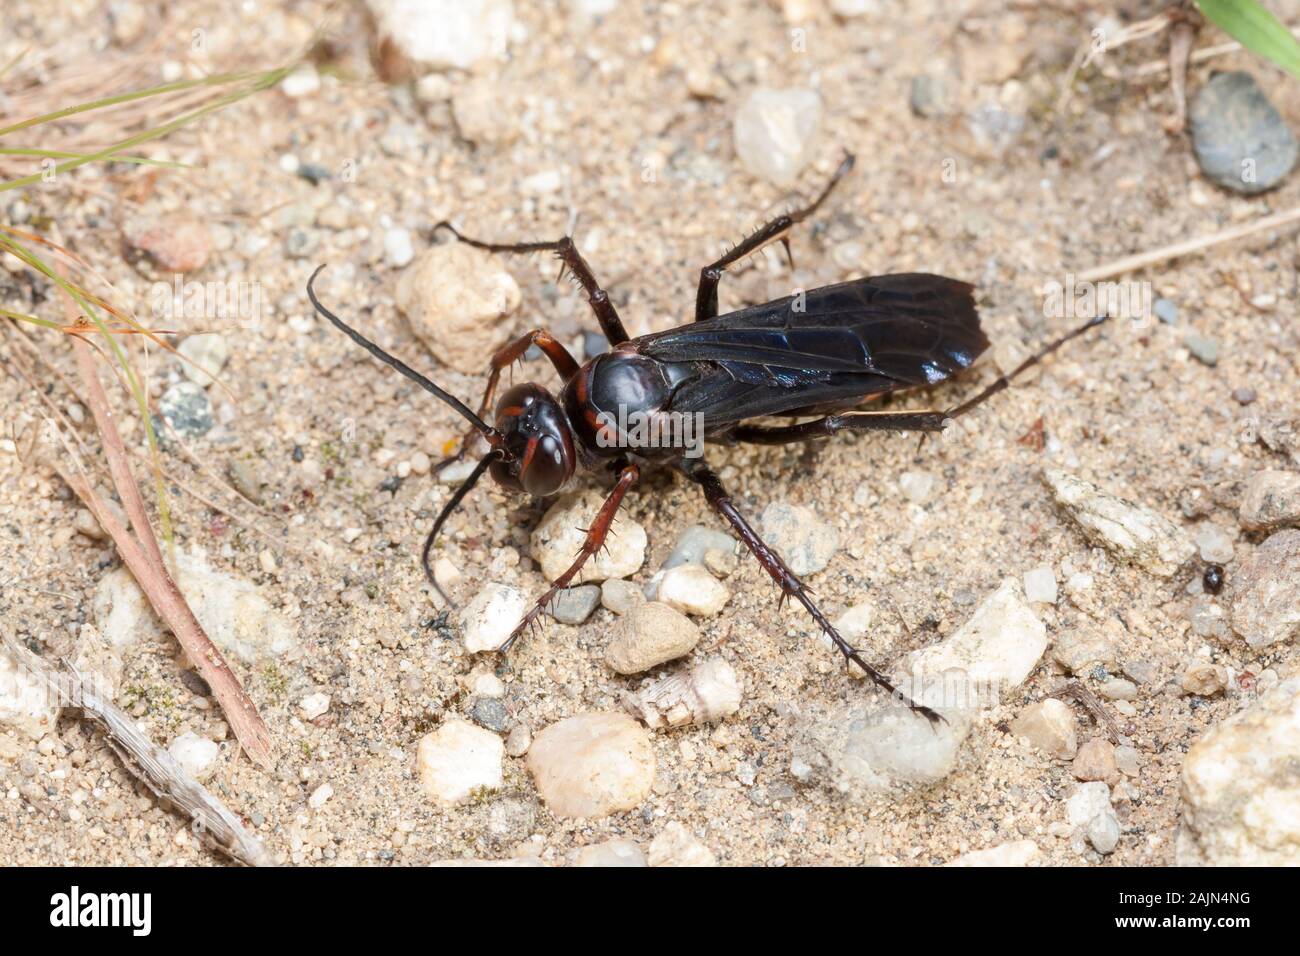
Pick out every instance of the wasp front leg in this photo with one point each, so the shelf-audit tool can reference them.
(551, 347)
(591, 545)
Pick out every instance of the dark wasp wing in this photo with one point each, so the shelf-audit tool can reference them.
(827, 348)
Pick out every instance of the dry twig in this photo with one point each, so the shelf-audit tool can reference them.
(151, 764)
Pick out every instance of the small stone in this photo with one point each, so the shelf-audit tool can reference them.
(1241, 142)
(300, 242)
(446, 574)
(244, 476)
(860, 752)
(1096, 761)
(803, 540)
(476, 107)
(1130, 531)
(518, 740)
(1244, 395)
(931, 95)
(1128, 760)
(1079, 652)
(775, 133)
(175, 244)
(574, 605)
(206, 354)
(398, 250)
(455, 297)
(691, 589)
(1208, 619)
(1204, 680)
(706, 693)
(187, 408)
(559, 536)
(1270, 500)
(1214, 543)
(1088, 801)
(620, 596)
(196, 755)
(481, 682)
(1117, 688)
(320, 796)
(1040, 585)
(611, 853)
(314, 705)
(489, 619)
(1205, 351)
(490, 713)
(421, 35)
(1049, 726)
(592, 765)
(1104, 832)
(458, 760)
(1166, 311)
(1240, 791)
(85, 523)
(648, 635)
(917, 486)
(1266, 591)
(677, 846)
(854, 623)
(988, 656)
(1017, 853)
(695, 542)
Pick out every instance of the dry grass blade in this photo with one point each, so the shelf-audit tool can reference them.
(1155, 256)
(172, 608)
(217, 825)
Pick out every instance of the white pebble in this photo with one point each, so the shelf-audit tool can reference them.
(457, 760)
(398, 250)
(1040, 585)
(196, 755)
(775, 133)
(691, 589)
(592, 765)
(314, 706)
(490, 618)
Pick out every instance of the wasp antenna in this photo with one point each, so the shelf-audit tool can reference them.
(392, 361)
(465, 488)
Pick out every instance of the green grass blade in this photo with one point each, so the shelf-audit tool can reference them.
(60, 154)
(262, 81)
(219, 80)
(1247, 22)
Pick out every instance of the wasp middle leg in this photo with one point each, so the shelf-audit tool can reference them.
(706, 298)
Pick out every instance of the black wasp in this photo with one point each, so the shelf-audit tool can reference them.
(819, 354)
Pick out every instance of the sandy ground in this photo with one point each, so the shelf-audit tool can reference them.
(1129, 409)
